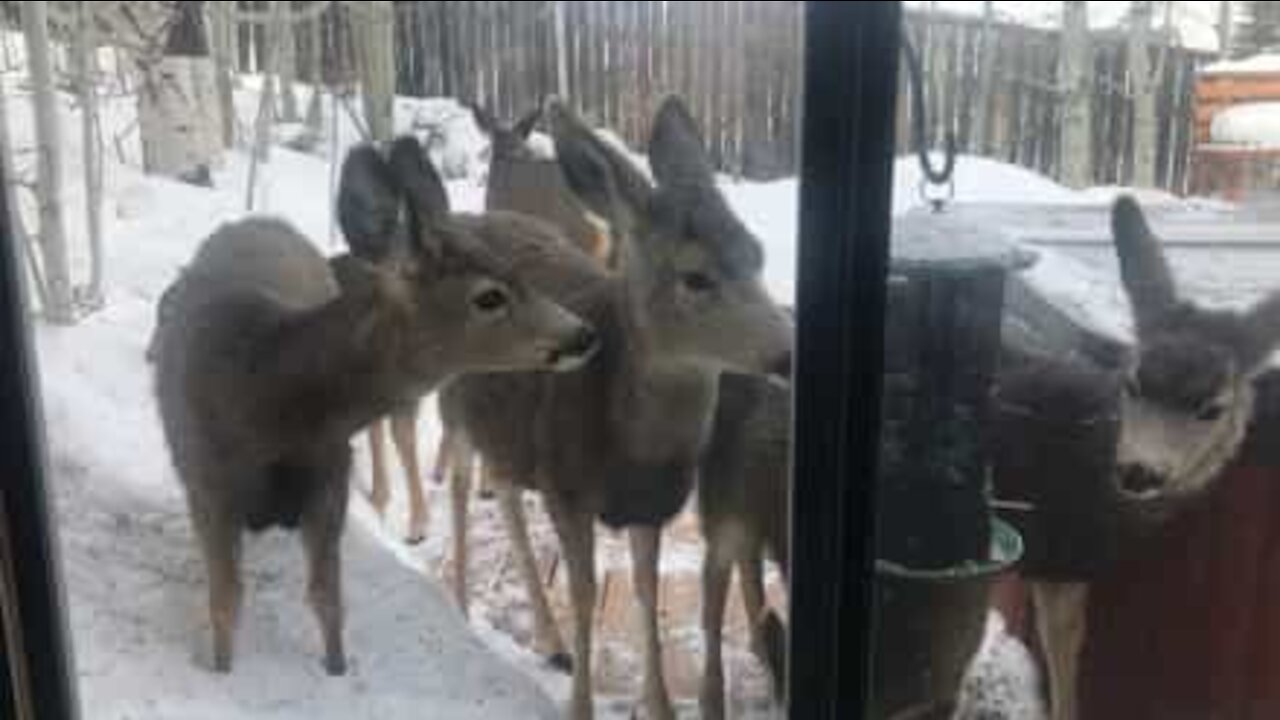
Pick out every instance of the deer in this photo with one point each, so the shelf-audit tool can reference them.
(522, 181)
(519, 180)
(1152, 436)
(744, 509)
(264, 368)
(620, 439)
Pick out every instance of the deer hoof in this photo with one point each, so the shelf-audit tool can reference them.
(561, 661)
(335, 666)
(415, 538)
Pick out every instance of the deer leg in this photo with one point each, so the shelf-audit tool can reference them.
(404, 435)
(646, 547)
(444, 455)
(577, 538)
(322, 524)
(546, 634)
(768, 636)
(488, 485)
(716, 573)
(220, 545)
(459, 486)
(378, 492)
(1061, 620)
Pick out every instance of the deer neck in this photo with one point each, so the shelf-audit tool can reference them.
(662, 407)
(333, 372)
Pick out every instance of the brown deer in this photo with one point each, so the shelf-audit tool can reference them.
(264, 369)
(1113, 457)
(744, 506)
(620, 440)
(519, 180)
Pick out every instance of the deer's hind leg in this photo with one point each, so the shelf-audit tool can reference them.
(220, 544)
(404, 427)
(379, 493)
(576, 531)
(1061, 611)
(323, 518)
(546, 633)
(461, 468)
(717, 571)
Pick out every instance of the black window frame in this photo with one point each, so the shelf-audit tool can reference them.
(850, 85)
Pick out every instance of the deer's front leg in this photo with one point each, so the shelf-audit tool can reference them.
(646, 547)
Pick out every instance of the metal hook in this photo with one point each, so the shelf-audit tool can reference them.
(932, 175)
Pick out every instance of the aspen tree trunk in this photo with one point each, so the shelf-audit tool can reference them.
(86, 70)
(1074, 81)
(1143, 81)
(59, 307)
(178, 111)
(374, 29)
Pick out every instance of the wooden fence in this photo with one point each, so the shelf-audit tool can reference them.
(1025, 106)
(738, 65)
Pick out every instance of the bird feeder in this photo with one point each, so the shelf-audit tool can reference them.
(938, 543)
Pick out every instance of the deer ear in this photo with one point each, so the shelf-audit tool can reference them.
(423, 191)
(370, 203)
(1143, 269)
(524, 126)
(600, 176)
(484, 119)
(676, 151)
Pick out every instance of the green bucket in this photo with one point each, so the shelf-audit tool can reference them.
(929, 624)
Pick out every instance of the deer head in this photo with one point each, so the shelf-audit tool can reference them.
(1188, 397)
(445, 303)
(509, 142)
(691, 269)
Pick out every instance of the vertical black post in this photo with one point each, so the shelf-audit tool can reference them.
(24, 501)
(850, 84)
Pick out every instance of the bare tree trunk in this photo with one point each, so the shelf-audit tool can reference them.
(1074, 83)
(1143, 81)
(562, 49)
(223, 32)
(21, 238)
(1225, 27)
(86, 69)
(60, 307)
(267, 100)
(374, 29)
(287, 70)
(986, 80)
(177, 108)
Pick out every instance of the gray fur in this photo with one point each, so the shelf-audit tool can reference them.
(264, 369)
(621, 439)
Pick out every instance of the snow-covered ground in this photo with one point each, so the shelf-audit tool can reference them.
(134, 580)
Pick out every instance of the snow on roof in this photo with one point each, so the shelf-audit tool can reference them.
(1250, 124)
(1261, 63)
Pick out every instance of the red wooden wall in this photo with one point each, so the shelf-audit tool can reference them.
(1189, 626)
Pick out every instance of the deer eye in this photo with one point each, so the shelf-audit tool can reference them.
(1210, 412)
(697, 282)
(490, 299)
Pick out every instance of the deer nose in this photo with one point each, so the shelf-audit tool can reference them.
(1140, 480)
(580, 344)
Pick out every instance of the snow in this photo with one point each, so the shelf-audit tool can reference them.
(135, 582)
(1195, 22)
(1260, 63)
(1248, 124)
(134, 579)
